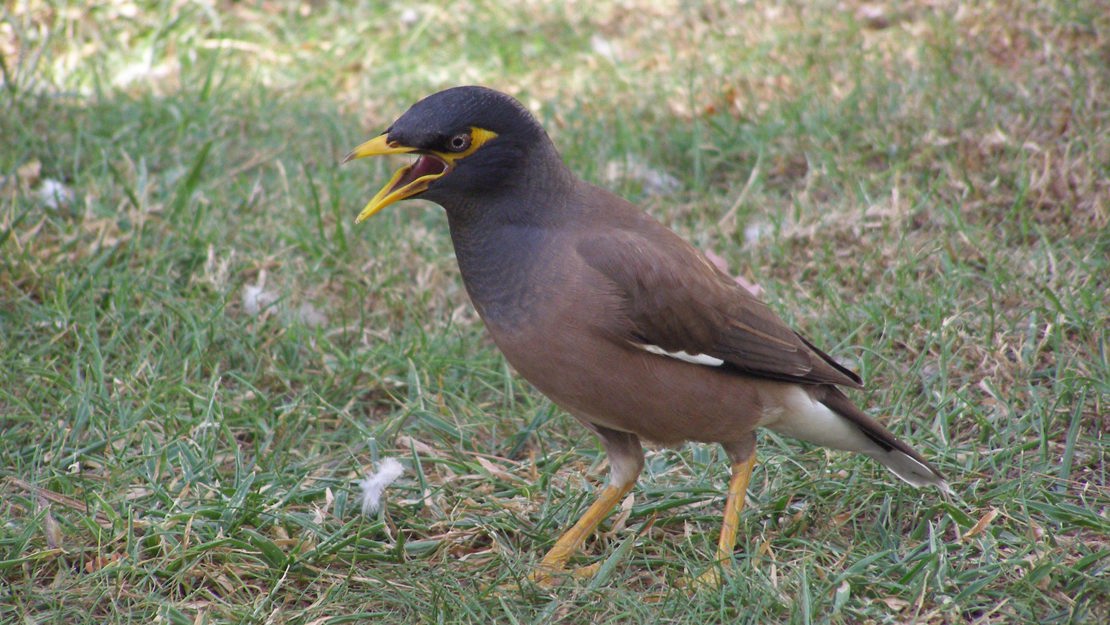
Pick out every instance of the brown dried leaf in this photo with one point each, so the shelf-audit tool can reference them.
(495, 470)
(408, 442)
(981, 525)
(895, 604)
(29, 173)
(100, 562)
(51, 529)
(621, 520)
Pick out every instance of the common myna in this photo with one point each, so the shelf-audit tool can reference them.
(612, 315)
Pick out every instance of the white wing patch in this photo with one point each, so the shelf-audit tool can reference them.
(697, 359)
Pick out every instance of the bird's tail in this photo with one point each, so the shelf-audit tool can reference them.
(900, 458)
(825, 416)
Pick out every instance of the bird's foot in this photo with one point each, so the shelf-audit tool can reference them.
(710, 579)
(550, 576)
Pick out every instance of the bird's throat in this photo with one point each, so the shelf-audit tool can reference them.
(499, 265)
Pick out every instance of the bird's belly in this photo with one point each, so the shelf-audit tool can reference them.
(658, 398)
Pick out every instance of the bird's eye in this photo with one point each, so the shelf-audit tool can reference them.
(458, 143)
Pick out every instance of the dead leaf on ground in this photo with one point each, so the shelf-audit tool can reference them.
(100, 562)
(894, 603)
(981, 525)
(495, 470)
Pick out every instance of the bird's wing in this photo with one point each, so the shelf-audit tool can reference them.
(674, 302)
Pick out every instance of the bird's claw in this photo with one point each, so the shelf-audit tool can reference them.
(710, 579)
(551, 576)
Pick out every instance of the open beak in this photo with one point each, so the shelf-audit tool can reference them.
(407, 181)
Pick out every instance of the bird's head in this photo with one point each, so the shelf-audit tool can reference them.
(468, 141)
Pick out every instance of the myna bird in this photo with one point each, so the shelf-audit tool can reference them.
(612, 315)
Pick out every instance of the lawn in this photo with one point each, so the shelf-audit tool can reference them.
(201, 355)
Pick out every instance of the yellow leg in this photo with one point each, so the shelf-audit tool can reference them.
(737, 486)
(569, 543)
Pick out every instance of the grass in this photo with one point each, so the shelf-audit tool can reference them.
(922, 190)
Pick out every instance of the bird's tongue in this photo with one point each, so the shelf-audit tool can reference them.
(424, 166)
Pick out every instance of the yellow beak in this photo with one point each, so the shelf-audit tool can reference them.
(415, 178)
(406, 182)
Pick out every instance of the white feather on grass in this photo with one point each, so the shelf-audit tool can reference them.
(375, 483)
